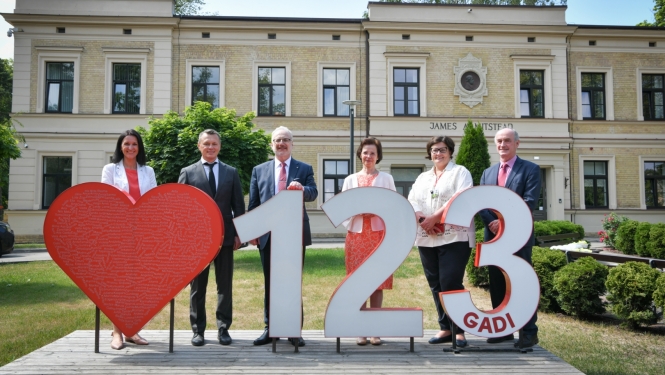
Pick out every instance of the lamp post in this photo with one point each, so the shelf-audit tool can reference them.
(352, 104)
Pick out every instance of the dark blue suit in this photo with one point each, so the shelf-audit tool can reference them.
(262, 188)
(524, 179)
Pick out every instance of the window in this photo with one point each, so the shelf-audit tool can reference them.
(126, 88)
(404, 179)
(336, 89)
(654, 184)
(57, 177)
(334, 173)
(593, 95)
(595, 184)
(405, 86)
(205, 35)
(59, 87)
(60, 30)
(205, 85)
(652, 97)
(127, 31)
(272, 91)
(531, 93)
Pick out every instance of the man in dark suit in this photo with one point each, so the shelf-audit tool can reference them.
(522, 177)
(222, 183)
(268, 179)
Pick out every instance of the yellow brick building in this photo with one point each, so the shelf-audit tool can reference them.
(587, 101)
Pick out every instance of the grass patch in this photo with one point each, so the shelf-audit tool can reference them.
(29, 246)
(39, 304)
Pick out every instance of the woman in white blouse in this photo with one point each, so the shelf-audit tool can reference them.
(129, 172)
(366, 231)
(444, 250)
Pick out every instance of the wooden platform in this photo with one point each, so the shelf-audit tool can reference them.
(74, 353)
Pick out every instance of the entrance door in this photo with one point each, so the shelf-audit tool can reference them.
(540, 213)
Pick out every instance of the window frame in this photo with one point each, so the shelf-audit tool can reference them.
(334, 87)
(57, 54)
(609, 90)
(535, 62)
(221, 64)
(642, 159)
(653, 178)
(652, 91)
(611, 180)
(126, 83)
(595, 179)
(44, 175)
(48, 83)
(639, 73)
(319, 83)
(336, 177)
(321, 158)
(124, 56)
(592, 94)
(401, 60)
(529, 88)
(406, 85)
(287, 85)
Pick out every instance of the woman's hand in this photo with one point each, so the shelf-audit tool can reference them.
(429, 224)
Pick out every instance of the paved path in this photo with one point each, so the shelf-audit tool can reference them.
(74, 353)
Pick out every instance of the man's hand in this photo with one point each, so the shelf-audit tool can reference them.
(236, 243)
(295, 185)
(254, 242)
(494, 226)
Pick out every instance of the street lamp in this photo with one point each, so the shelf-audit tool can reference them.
(351, 104)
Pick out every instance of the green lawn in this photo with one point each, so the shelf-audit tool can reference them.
(39, 304)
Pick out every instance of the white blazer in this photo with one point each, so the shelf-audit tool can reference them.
(355, 223)
(114, 174)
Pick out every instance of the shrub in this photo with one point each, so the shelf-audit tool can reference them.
(478, 276)
(659, 292)
(546, 262)
(625, 238)
(641, 239)
(554, 227)
(656, 244)
(611, 223)
(630, 287)
(579, 286)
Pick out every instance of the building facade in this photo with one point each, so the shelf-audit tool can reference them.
(587, 101)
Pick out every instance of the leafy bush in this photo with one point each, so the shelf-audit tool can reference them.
(579, 286)
(478, 276)
(659, 293)
(611, 223)
(656, 244)
(546, 262)
(625, 238)
(630, 287)
(473, 154)
(554, 227)
(641, 239)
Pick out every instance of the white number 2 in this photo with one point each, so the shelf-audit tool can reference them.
(343, 316)
(522, 286)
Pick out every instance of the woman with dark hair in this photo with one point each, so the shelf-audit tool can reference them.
(129, 173)
(365, 232)
(444, 250)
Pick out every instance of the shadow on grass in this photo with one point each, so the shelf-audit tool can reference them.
(34, 293)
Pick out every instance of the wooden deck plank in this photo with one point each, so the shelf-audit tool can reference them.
(74, 354)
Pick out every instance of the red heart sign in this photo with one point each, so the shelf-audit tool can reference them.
(132, 259)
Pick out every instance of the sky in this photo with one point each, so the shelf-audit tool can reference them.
(581, 12)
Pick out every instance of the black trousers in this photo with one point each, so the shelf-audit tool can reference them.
(444, 270)
(197, 293)
(265, 262)
(498, 289)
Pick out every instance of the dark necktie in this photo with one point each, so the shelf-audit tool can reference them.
(211, 178)
(282, 178)
(503, 173)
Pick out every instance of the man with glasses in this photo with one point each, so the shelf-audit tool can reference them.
(268, 179)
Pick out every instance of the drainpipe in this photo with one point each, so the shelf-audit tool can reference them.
(366, 83)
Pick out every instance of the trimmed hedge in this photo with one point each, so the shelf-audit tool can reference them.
(659, 293)
(656, 244)
(641, 239)
(631, 286)
(579, 286)
(546, 262)
(625, 237)
(554, 227)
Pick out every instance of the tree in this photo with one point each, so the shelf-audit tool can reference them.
(187, 7)
(9, 137)
(170, 142)
(658, 15)
(474, 154)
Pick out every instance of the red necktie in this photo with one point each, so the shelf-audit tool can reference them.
(503, 173)
(282, 178)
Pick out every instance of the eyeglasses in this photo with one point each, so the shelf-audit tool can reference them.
(282, 140)
(440, 150)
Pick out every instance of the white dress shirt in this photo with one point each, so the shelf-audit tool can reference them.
(207, 170)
